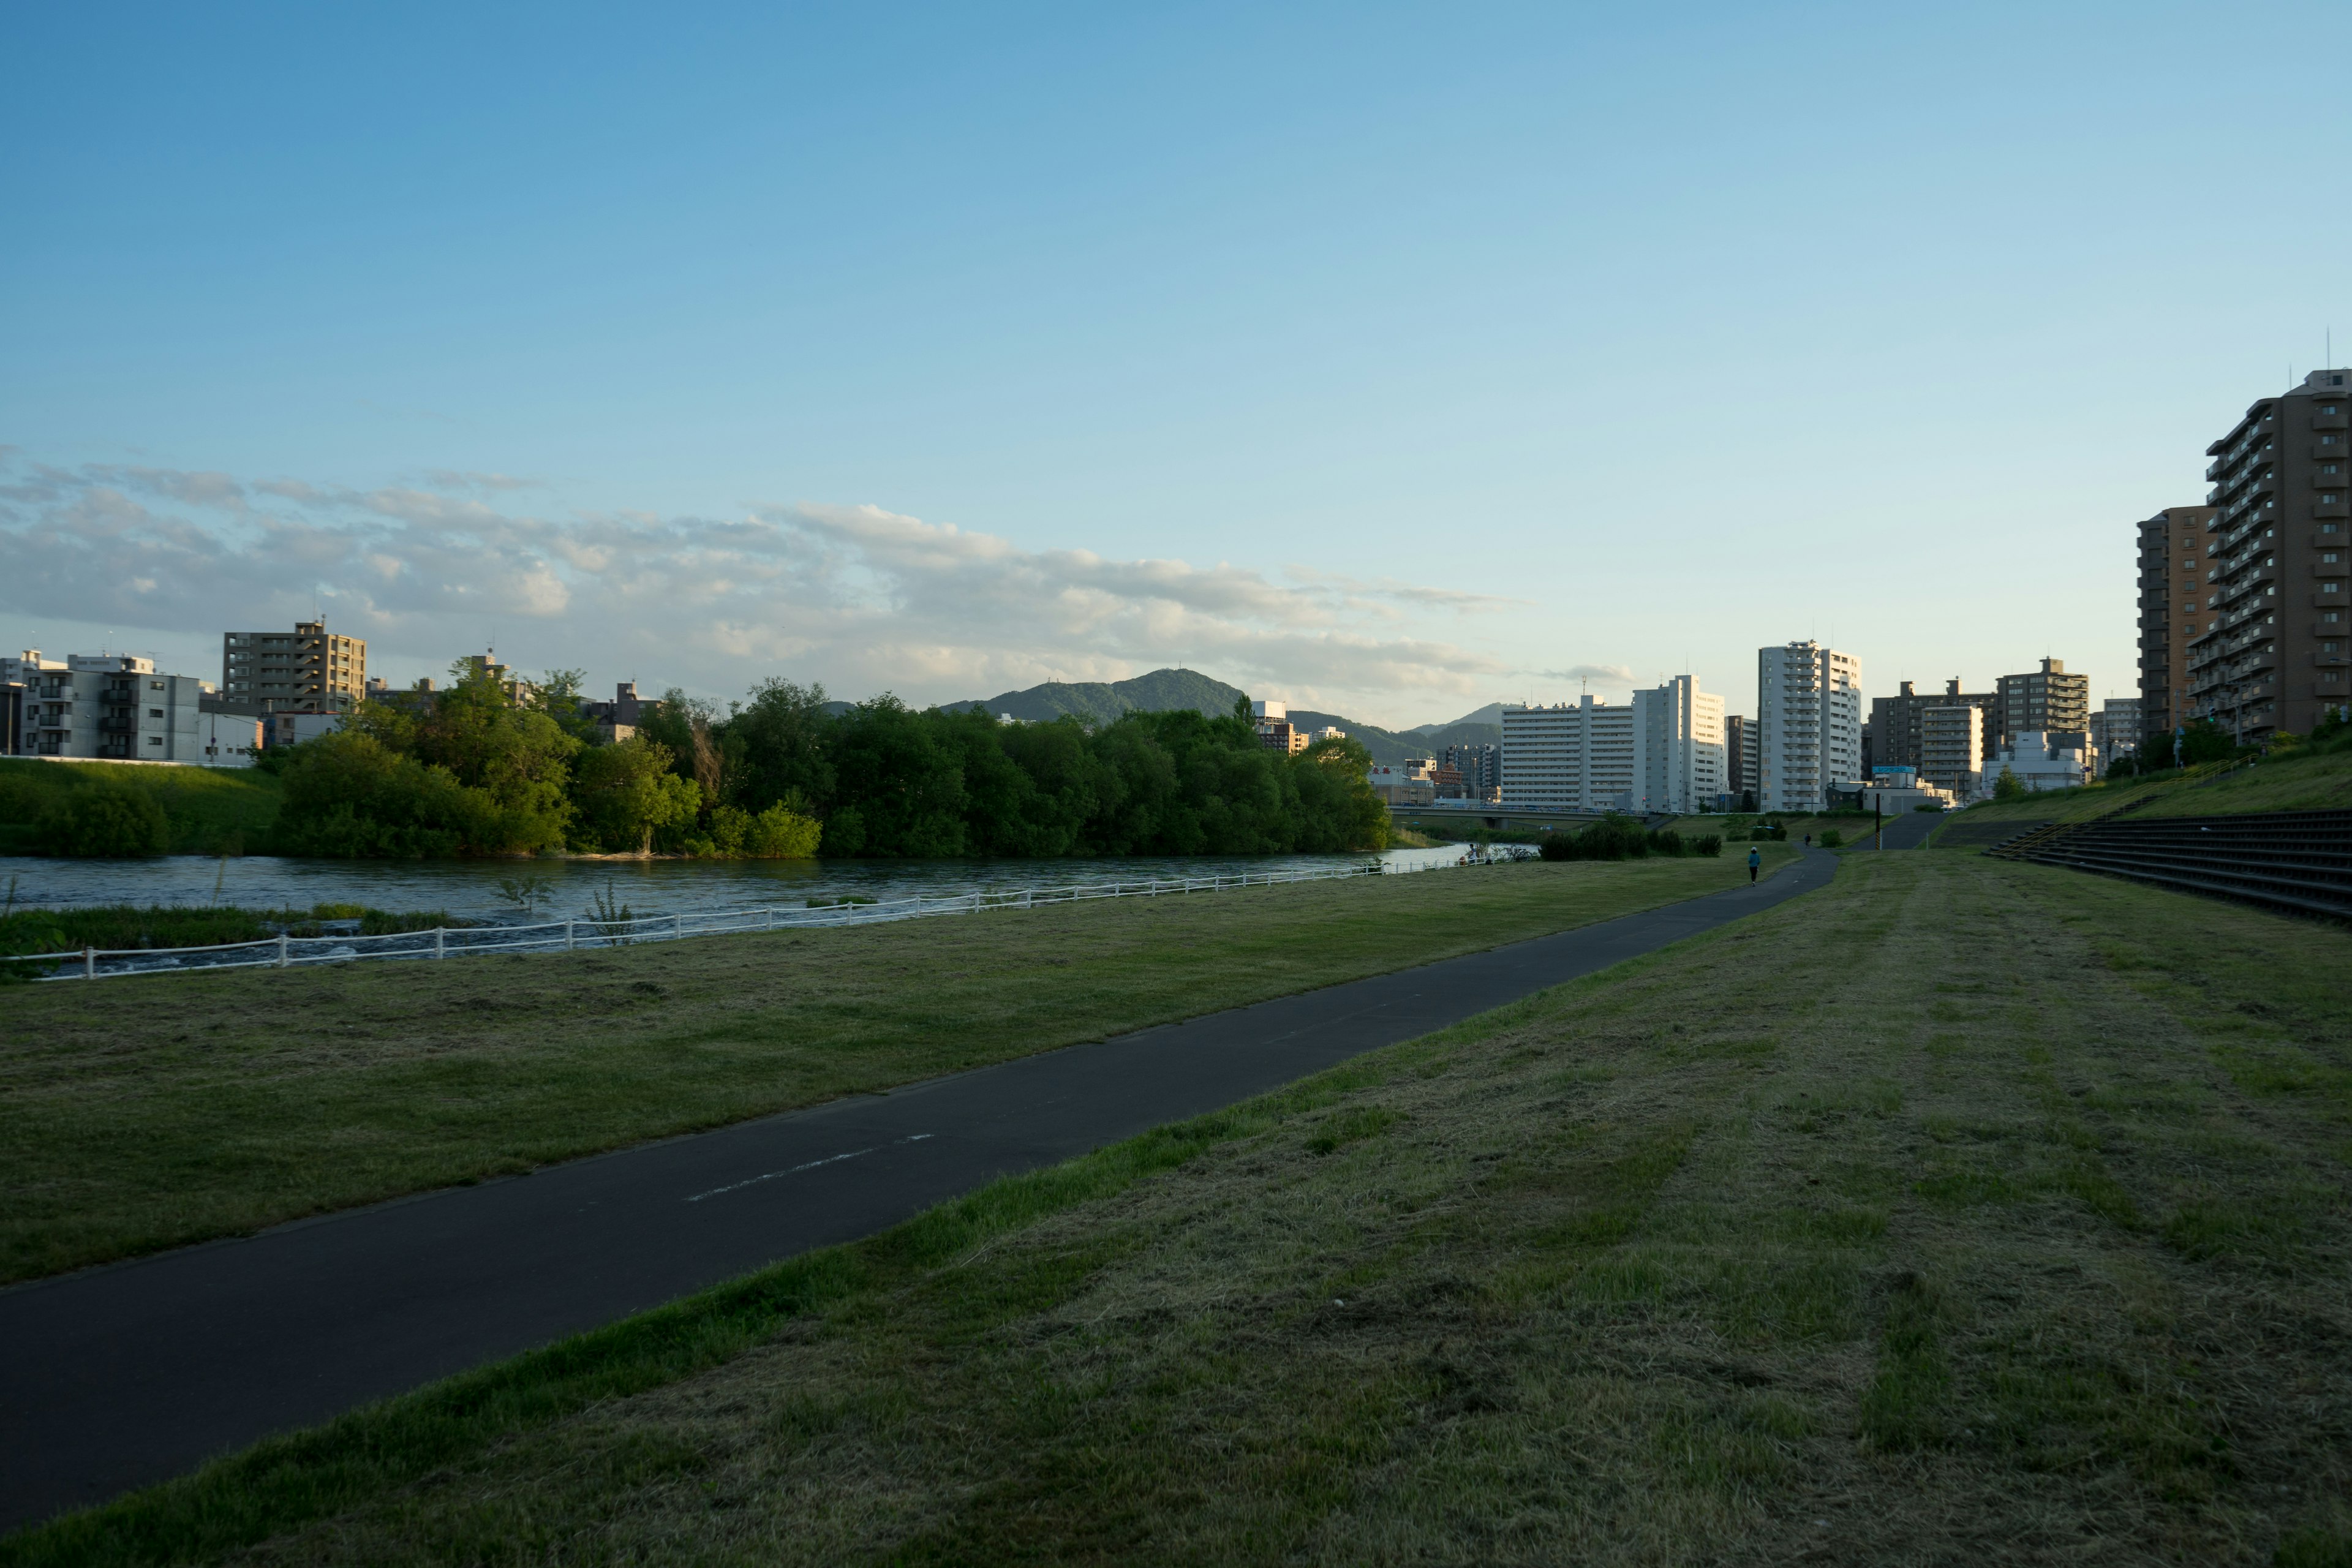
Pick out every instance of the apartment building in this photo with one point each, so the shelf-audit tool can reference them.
(2115, 731)
(105, 706)
(306, 671)
(1274, 731)
(1663, 752)
(2172, 566)
(1808, 724)
(1952, 746)
(1899, 723)
(2047, 700)
(1739, 753)
(1481, 768)
(2270, 654)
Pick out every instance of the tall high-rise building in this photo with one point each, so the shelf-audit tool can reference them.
(1952, 746)
(307, 670)
(1896, 722)
(1739, 753)
(2172, 566)
(2046, 700)
(2275, 620)
(1663, 752)
(1808, 724)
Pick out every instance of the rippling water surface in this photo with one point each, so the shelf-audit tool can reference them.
(470, 888)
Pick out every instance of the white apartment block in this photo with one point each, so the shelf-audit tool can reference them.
(1808, 724)
(107, 707)
(1664, 752)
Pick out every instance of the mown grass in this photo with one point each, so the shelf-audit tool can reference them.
(211, 811)
(1963, 1212)
(2288, 783)
(145, 1112)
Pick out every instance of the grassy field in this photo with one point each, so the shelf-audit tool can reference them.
(1963, 1212)
(211, 810)
(141, 1113)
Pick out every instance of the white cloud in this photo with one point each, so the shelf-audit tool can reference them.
(860, 597)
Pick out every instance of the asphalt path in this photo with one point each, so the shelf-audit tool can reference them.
(118, 1376)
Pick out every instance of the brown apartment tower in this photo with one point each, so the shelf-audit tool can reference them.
(2272, 618)
(2172, 566)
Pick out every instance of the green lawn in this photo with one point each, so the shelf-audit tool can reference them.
(211, 810)
(1963, 1212)
(145, 1112)
(2289, 783)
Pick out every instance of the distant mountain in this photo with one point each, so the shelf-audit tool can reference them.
(1162, 691)
(1166, 691)
(1490, 714)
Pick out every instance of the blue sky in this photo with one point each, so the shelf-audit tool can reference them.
(1391, 360)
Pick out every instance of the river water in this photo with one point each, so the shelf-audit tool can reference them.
(470, 888)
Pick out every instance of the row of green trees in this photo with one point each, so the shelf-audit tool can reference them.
(783, 776)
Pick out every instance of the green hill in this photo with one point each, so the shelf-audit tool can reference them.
(1166, 691)
(210, 809)
(1098, 702)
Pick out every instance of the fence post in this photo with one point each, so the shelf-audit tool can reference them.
(677, 925)
(281, 949)
(88, 962)
(770, 923)
(437, 950)
(567, 936)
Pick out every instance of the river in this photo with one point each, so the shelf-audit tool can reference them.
(471, 889)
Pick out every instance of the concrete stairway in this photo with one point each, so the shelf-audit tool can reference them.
(2298, 860)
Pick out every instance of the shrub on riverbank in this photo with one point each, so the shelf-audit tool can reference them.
(129, 926)
(1622, 838)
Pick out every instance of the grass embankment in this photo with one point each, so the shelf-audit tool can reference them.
(2289, 783)
(211, 810)
(145, 1112)
(1964, 1211)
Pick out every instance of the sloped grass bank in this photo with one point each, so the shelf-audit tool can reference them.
(1962, 1212)
(210, 811)
(146, 1112)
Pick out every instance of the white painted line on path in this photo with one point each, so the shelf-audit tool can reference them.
(796, 1170)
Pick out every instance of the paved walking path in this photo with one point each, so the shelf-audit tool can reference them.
(123, 1376)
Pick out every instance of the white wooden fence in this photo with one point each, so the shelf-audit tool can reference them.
(553, 936)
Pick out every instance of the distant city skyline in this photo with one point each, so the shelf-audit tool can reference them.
(1390, 363)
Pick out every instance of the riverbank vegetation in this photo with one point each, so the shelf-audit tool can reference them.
(150, 1111)
(2007, 1222)
(121, 927)
(782, 776)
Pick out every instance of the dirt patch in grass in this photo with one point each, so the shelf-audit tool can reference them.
(146, 1112)
(1961, 1212)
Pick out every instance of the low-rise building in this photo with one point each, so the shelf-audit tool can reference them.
(105, 706)
(293, 729)
(2036, 762)
(1406, 783)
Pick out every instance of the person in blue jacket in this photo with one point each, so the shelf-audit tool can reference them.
(1755, 860)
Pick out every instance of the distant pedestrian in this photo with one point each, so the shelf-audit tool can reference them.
(1809, 841)
(1755, 860)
